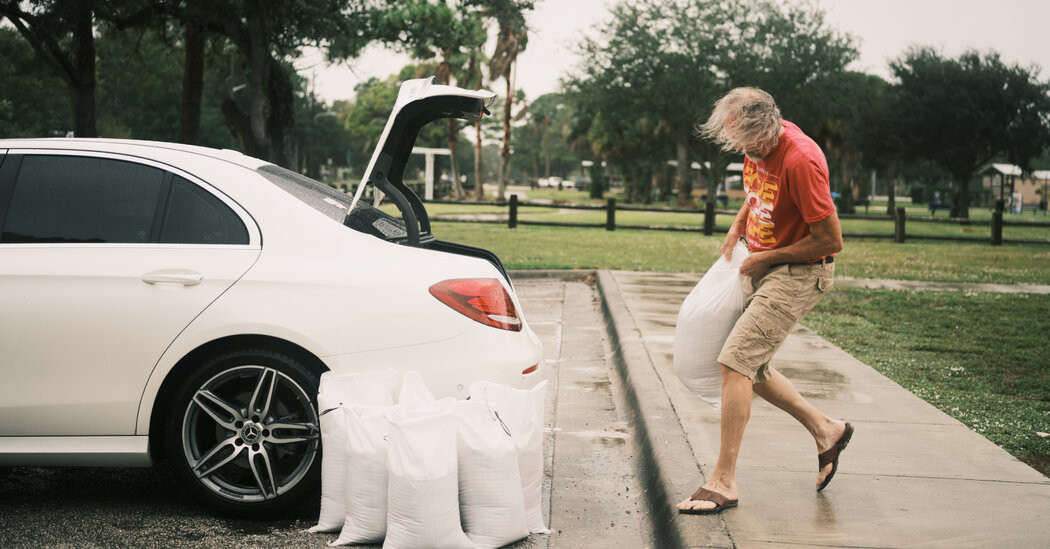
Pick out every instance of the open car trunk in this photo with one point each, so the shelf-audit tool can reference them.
(419, 102)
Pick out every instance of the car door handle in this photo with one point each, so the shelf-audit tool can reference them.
(173, 276)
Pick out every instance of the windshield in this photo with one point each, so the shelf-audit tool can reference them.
(323, 198)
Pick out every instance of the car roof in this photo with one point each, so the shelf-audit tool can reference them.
(147, 149)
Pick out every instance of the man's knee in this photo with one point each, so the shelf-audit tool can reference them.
(729, 374)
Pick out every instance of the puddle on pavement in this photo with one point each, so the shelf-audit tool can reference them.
(834, 392)
(810, 372)
(673, 301)
(657, 321)
(593, 385)
(608, 439)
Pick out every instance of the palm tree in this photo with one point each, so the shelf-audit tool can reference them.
(511, 40)
(460, 60)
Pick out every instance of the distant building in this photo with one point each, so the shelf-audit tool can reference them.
(735, 181)
(1004, 181)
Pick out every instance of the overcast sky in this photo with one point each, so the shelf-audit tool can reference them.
(1017, 29)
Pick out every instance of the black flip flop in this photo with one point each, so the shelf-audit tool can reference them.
(832, 456)
(703, 494)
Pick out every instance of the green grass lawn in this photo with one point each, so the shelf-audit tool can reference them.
(979, 357)
(538, 247)
(696, 220)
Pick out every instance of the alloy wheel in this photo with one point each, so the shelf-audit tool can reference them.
(250, 433)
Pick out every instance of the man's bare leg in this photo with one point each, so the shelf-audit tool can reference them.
(736, 410)
(779, 392)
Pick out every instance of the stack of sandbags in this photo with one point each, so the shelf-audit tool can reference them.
(437, 473)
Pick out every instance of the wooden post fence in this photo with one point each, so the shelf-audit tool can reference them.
(997, 228)
(898, 227)
(709, 218)
(512, 219)
(997, 223)
(610, 215)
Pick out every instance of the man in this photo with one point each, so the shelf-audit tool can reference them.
(793, 233)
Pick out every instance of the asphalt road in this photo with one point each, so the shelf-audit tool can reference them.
(592, 498)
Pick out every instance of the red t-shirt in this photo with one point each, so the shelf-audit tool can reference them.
(786, 191)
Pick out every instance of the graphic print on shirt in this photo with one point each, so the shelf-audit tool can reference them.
(761, 187)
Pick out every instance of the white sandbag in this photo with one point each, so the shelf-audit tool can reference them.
(335, 390)
(491, 505)
(366, 475)
(521, 411)
(704, 321)
(370, 388)
(414, 391)
(423, 496)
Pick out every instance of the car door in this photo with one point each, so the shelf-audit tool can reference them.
(104, 259)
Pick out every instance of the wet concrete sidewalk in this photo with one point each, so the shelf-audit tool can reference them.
(912, 476)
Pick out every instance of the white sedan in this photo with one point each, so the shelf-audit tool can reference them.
(167, 300)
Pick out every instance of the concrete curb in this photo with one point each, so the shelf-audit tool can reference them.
(560, 274)
(667, 467)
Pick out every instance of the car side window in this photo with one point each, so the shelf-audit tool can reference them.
(80, 199)
(195, 216)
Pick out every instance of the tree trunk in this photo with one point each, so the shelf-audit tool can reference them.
(846, 205)
(666, 183)
(504, 153)
(535, 161)
(891, 191)
(259, 110)
(641, 187)
(597, 186)
(479, 189)
(457, 187)
(280, 124)
(192, 85)
(240, 126)
(683, 182)
(961, 196)
(546, 148)
(717, 172)
(84, 81)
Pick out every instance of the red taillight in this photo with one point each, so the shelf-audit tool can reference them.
(530, 369)
(482, 299)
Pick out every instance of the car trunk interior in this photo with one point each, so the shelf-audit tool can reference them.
(387, 176)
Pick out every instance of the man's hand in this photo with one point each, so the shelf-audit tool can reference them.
(732, 237)
(755, 265)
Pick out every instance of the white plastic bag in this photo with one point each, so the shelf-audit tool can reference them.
(491, 504)
(367, 429)
(705, 319)
(522, 413)
(423, 497)
(335, 390)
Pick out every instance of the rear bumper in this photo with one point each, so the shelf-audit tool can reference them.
(449, 367)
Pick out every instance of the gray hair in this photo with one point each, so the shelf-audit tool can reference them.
(744, 119)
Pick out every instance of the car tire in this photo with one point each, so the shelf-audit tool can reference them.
(243, 435)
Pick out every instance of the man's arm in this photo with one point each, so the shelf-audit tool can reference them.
(736, 230)
(825, 238)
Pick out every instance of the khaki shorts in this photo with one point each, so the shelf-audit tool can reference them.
(773, 304)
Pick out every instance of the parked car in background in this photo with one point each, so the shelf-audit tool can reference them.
(168, 300)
